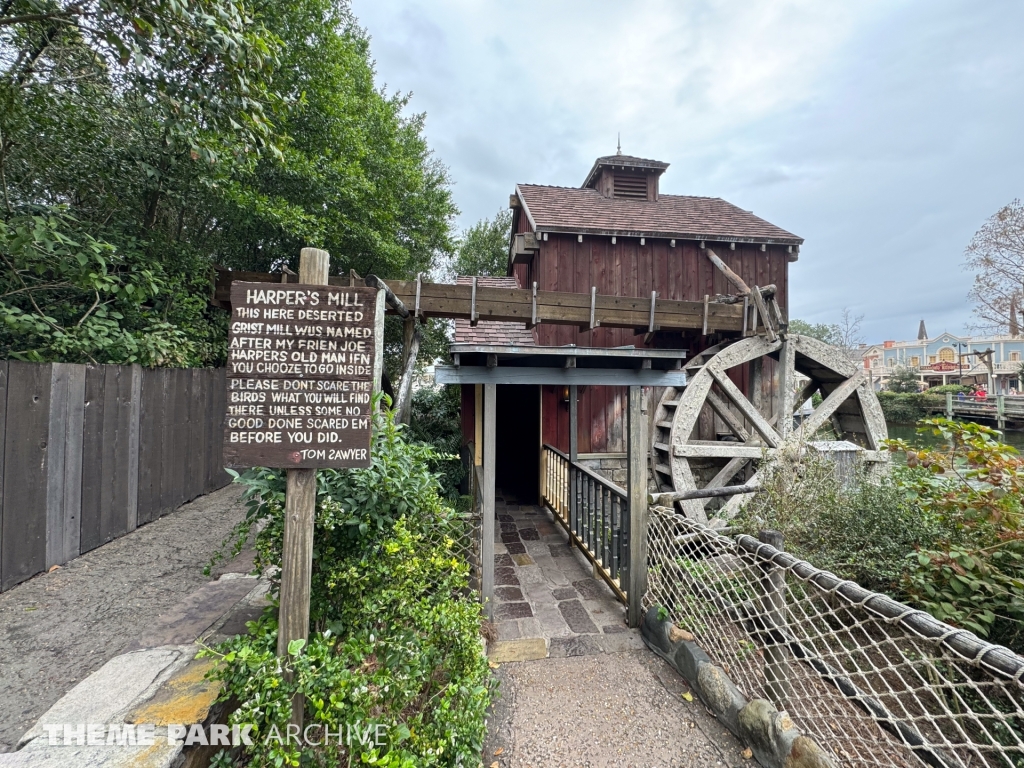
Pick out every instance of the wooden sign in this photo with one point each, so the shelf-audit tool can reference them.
(300, 375)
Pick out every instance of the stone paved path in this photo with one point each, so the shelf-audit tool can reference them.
(547, 601)
(57, 628)
(577, 687)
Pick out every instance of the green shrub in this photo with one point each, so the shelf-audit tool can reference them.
(436, 421)
(393, 640)
(952, 389)
(973, 484)
(909, 407)
(862, 532)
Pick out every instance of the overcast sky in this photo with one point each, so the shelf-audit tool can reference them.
(884, 133)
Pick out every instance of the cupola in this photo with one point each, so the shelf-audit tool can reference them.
(625, 177)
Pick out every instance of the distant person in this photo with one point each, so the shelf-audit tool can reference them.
(1013, 392)
(960, 395)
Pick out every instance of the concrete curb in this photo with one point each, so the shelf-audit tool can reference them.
(773, 739)
(151, 687)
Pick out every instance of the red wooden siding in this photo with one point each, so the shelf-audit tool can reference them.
(630, 269)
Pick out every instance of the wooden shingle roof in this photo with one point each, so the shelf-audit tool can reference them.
(489, 331)
(586, 211)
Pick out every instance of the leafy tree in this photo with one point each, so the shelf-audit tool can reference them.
(846, 333)
(903, 380)
(483, 248)
(996, 256)
(140, 145)
(820, 331)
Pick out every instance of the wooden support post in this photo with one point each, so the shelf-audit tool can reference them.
(949, 405)
(1001, 411)
(533, 310)
(478, 425)
(487, 527)
(403, 398)
(299, 516)
(787, 369)
(573, 457)
(378, 333)
(776, 669)
(473, 317)
(637, 491)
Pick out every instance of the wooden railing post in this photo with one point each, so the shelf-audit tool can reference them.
(776, 669)
(949, 405)
(574, 510)
(637, 490)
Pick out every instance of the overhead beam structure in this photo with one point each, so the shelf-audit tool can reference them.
(530, 307)
(598, 377)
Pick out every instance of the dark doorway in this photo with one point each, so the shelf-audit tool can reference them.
(517, 442)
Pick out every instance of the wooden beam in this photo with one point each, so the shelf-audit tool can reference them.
(517, 305)
(726, 414)
(750, 413)
(787, 370)
(636, 487)
(769, 327)
(829, 405)
(731, 276)
(597, 377)
(711, 449)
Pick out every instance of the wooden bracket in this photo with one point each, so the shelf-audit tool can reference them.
(746, 314)
(419, 290)
(780, 320)
(533, 309)
(651, 327)
(593, 307)
(731, 276)
(769, 327)
(492, 361)
(704, 331)
(473, 318)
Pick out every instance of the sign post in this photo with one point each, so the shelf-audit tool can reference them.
(301, 368)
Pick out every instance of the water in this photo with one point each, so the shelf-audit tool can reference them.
(928, 440)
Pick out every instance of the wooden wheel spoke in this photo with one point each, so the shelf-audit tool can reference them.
(831, 403)
(750, 413)
(682, 417)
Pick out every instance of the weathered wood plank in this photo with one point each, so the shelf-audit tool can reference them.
(73, 461)
(111, 524)
(92, 460)
(134, 424)
(56, 442)
(637, 489)
(3, 439)
(490, 403)
(149, 446)
(25, 454)
(750, 413)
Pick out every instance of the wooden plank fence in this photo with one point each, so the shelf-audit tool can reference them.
(89, 453)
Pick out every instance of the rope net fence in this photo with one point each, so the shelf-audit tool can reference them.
(458, 534)
(876, 682)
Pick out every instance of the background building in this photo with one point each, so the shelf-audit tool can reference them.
(990, 361)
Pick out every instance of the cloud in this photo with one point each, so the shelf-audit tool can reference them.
(884, 133)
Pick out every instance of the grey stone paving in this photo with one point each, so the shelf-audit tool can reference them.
(546, 590)
(57, 628)
(577, 686)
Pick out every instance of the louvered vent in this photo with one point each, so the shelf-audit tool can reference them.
(629, 186)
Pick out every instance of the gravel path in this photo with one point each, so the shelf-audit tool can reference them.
(614, 710)
(57, 628)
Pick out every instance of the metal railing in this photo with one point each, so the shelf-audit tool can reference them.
(593, 510)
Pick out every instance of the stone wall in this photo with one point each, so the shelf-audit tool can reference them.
(613, 467)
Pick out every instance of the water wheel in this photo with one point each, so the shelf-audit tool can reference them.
(710, 434)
